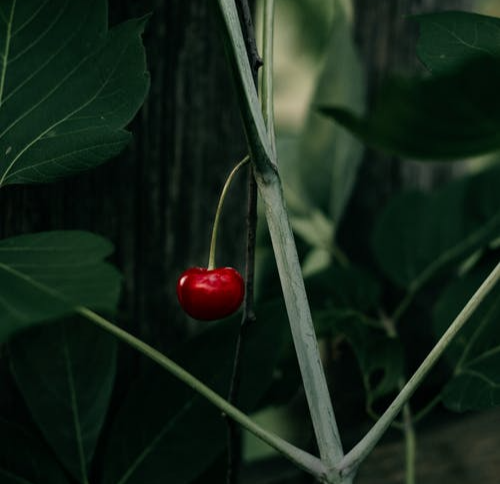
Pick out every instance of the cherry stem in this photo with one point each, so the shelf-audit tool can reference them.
(213, 241)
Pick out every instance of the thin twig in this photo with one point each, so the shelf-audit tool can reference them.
(360, 451)
(246, 22)
(410, 445)
(233, 430)
(267, 74)
(423, 412)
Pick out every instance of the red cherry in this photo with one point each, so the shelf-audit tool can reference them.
(209, 294)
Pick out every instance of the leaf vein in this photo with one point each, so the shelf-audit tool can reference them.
(31, 18)
(13, 311)
(480, 376)
(66, 155)
(40, 37)
(74, 406)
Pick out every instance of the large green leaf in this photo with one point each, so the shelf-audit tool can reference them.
(328, 155)
(24, 459)
(165, 432)
(447, 39)
(68, 86)
(44, 275)
(319, 167)
(65, 372)
(475, 352)
(419, 234)
(444, 117)
(447, 116)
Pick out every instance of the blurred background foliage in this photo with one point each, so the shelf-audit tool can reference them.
(318, 63)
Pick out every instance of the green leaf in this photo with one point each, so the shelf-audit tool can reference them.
(313, 19)
(65, 372)
(447, 116)
(24, 460)
(315, 261)
(328, 155)
(447, 39)
(166, 430)
(44, 276)
(68, 87)
(314, 228)
(322, 167)
(419, 235)
(475, 352)
(342, 289)
(341, 298)
(380, 358)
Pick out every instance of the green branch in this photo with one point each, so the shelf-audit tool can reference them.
(299, 457)
(437, 264)
(255, 128)
(353, 458)
(271, 192)
(410, 445)
(267, 72)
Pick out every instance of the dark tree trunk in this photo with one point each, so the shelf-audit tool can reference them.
(157, 200)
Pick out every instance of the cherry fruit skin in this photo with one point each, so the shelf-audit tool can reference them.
(209, 294)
